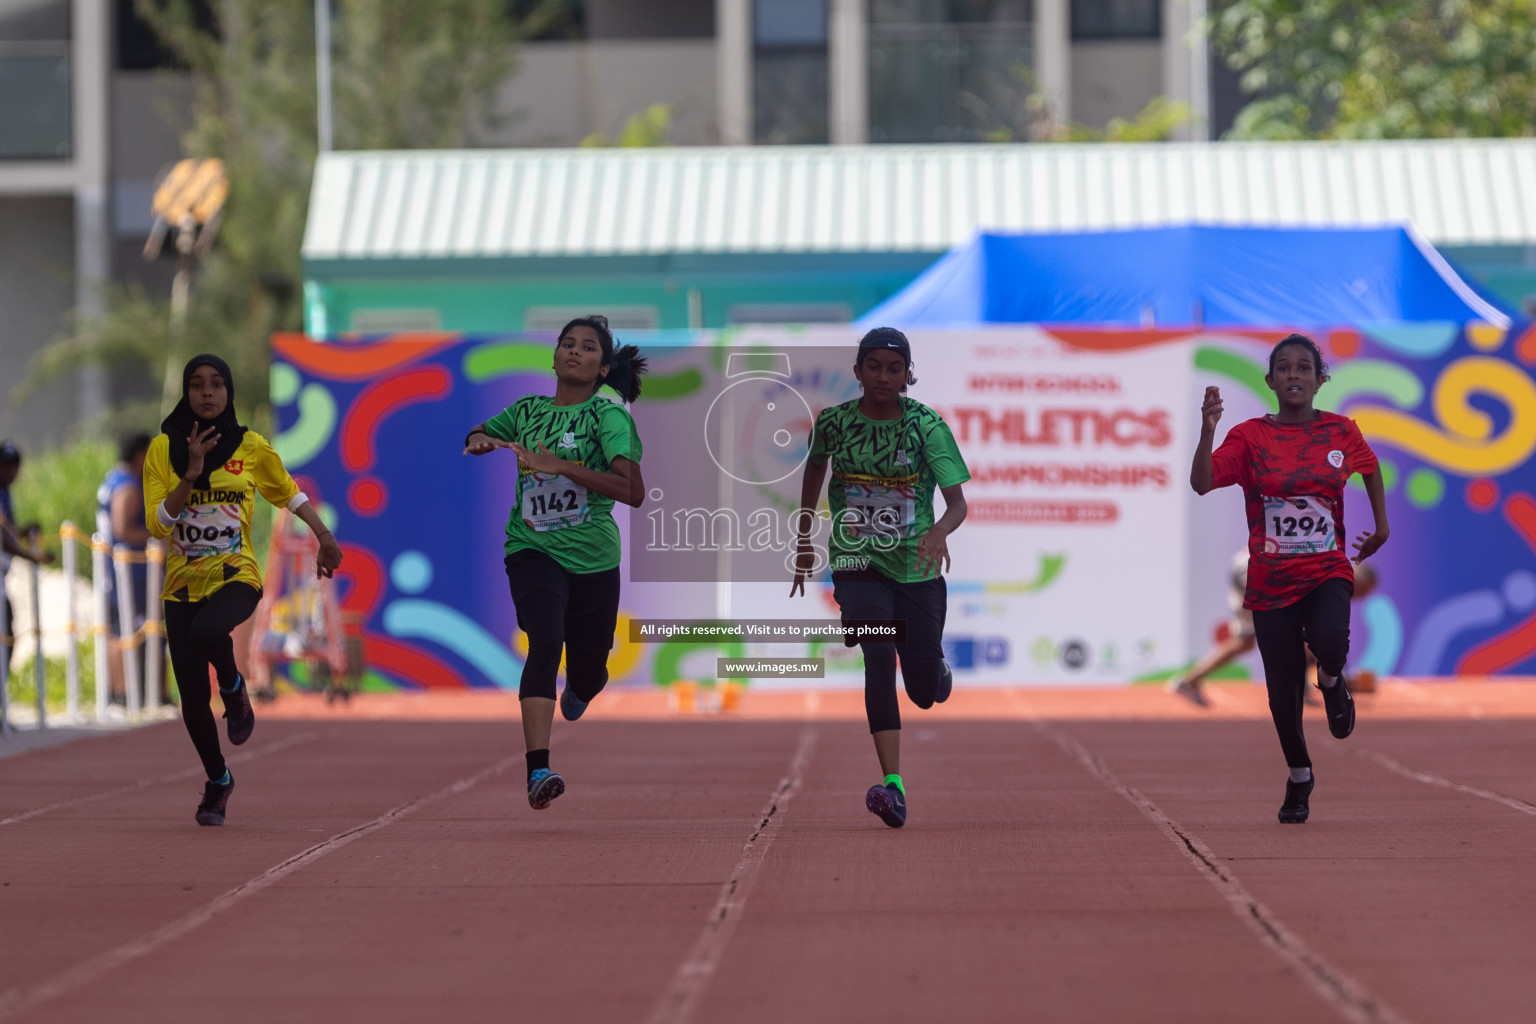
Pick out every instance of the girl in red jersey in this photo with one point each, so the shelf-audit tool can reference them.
(1292, 466)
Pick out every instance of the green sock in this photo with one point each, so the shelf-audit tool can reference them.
(895, 780)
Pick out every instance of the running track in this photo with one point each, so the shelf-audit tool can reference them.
(1108, 856)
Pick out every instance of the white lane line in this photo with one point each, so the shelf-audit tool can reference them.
(1353, 1001)
(1430, 779)
(698, 969)
(84, 973)
(190, 773)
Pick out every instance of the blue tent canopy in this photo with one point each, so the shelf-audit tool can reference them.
(1216, 276)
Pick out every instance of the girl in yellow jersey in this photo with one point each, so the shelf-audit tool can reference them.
(201, 477)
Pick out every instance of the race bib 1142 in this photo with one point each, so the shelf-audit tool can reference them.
(552, 502)
(1298, 526)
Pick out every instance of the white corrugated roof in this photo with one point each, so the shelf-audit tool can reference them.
(606, 202)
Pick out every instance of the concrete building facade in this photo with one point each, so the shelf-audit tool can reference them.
(94, 108)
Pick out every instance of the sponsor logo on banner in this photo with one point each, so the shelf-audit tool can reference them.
(973, 652)
(1074, 655)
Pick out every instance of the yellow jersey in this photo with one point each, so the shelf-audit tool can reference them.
(210, 542)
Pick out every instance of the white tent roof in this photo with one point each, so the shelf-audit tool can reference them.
(607, 202)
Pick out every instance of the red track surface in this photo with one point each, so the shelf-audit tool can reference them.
(1070, 856)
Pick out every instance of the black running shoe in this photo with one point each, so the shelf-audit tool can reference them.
(946, 685)
(889, 803)
(238, 711)
(215, 800)
(1294, 810)
(1340, 705)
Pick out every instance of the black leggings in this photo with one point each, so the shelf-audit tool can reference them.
(1320, 620)
(562, 610)
(198, 635)
(868, 594)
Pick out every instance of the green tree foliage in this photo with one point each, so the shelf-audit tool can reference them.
(1021, 109)
(59, 485)
(406, 74)
(1156, 122)
(643, 129)
(1389, 69)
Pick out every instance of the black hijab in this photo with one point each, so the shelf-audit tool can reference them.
(178, 425)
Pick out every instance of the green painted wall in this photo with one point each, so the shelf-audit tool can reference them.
(1508, 271)
(491, 296)
(495, 296)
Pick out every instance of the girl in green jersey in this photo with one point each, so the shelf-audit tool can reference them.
(577, 453)
(888, 454)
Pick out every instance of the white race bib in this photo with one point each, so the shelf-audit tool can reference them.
(553, 502)
(1298, 526)
(204, 531)
(881, 508)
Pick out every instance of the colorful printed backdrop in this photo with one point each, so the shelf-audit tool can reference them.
(375, 430)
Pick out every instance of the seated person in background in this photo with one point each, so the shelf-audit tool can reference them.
(1235, 637)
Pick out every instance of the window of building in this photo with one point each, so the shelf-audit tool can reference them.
(1117, 19)
(549, 319)
(139, 47)
(789, 313)
(549, 19)
(34, 21)
(644, 19)
(790, 89)
(950, 70)
(35, 80)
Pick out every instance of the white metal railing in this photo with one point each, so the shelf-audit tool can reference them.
(141, 693)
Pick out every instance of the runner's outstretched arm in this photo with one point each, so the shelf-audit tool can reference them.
(811, 483)
(1367, 544)
(933, 547)
(622, 481)
(1201, 476)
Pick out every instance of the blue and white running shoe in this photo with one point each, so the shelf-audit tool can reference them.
(543, 786)
(571, 706)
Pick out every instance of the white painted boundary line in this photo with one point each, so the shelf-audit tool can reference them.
(1353, 1001)
(82, 974)
(1430, 779)
(190, 773)
(682, 997)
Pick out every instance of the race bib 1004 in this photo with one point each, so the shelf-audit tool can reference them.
(882, 508)
(552, 502)
(1298, 526)
(204, 531)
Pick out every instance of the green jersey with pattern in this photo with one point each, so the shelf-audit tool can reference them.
(884, 473)
(554, 514)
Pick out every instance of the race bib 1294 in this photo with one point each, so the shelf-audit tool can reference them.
(1298, 526)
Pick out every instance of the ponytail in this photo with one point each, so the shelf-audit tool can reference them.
(625, 370)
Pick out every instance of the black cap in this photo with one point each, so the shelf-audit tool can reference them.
(885, 338)
(9, 452)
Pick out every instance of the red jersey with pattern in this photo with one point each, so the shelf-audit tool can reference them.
(1293, 475)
